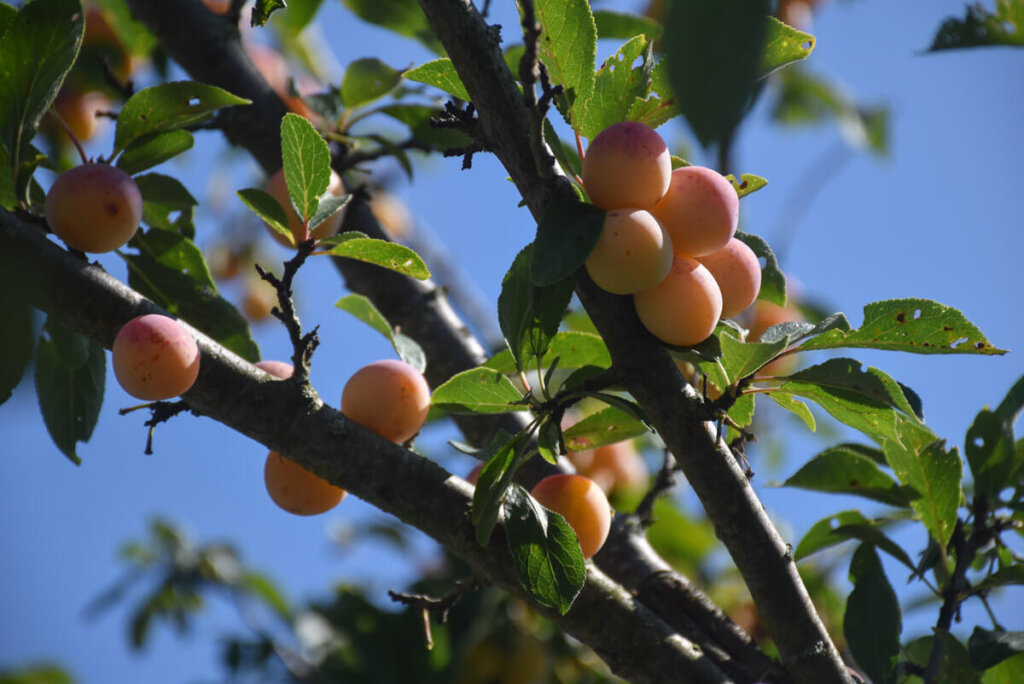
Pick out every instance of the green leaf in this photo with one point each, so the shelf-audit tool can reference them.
(38, 48)
(167, 107)
(783, 45)
(623, 25)
(175, 251)
(298, 16)
(1009, 671)
(653, 111)
(990, 446)
(872, 622)
(1004, 577)
(822, 533)
(501, 457)
(363, 309)
(742, 411)
(548, 559)
(149, 151)
(955, 664)
(70, 377)
(478, 390)
(982, 27)
(568, 47)
(844, 471)
(7, 15)
(307, 164)
(617, 86)
(389, 255)
(163, 196)
(773, 282)
(713, 53)
(404, 17)
(741, 359)
(796, 407)
(441, 74)
(163, 278)
(328, 207)
(989, 648)
(269, 209)
(366, 80)
(923, 463)
(607, 426)
(263, 588)
(566, 235)
(747, 184)
(263, 9)
(920, 326)
(573, 349)
(16, 343)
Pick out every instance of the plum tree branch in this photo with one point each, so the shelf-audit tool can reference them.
(740, 520)
(291, 418)
(423, 313)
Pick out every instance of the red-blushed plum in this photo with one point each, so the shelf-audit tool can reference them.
(738, 274)
(626, 165)
(155, 358)
(389, 397)
(94, 207)
(684, 308)
(279, 369)
(700, 210)
(297, 490)
(583, 505)
(633, 253)
(278, 188)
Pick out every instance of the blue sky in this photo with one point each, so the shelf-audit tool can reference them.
(941, 218)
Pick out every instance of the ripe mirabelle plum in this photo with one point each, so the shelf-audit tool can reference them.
(279, 369)
(94, 207)
(260, 300)
(700, 211)
(633, 253)
(297, 490)
(277, 187)
(78, 109)
(684, 308)
(738, 274)
(616, 467)
(155, 357)
(389, 397)
(583, 505)
(626, 165)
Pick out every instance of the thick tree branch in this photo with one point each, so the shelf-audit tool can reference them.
(290, 418)
(740, 521)
(422, 311)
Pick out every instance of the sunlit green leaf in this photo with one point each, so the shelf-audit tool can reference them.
(478, 390)
(307, 164)
(363, 309)
(366, 80)
(617, 86)
(607, 426)
(568, 47)
(441, 74)
(783, 45)
(389, 255)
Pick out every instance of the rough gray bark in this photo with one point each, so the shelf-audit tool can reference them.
(284, 416)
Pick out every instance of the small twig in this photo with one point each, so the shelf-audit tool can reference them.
(466, 153)
(435, 607)
(302, 345)
(354, 158)
(530, 72)
(662, 484)
(464, 120)
(67, 129)
(161, 412)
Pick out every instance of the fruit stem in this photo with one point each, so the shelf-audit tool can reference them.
(67, 129)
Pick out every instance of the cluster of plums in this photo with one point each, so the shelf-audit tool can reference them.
(668, 236)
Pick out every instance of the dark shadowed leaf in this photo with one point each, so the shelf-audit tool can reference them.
(873, 621)
(566, 235)
(773, 282)
(404, 17)
(269, 209)
(621, 25)
(981, 27)
(163, 197)
(844, 471)
(989, 648)
(441, 74)
(366, 80)
(990, 445)
(148, 152)
(501, 457)
(16, 342)
(478, 390)
(549, 562)
(955, 663)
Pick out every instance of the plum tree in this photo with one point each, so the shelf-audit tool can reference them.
(94, 207)
(277, 187)
(633, 253)
(297, 490)
(583, 505)
(389, 397)
(155, 357)
(684, 308)
(738, 274)
(700, 210)
(626, 165)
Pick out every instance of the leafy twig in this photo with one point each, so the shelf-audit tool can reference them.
(532, 70)
(161, 412)
(665, 481)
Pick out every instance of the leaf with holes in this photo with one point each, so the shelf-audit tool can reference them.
(783, 45)
(990, 446)
(363, 309)
(568, 47)
(873, 621)
(441, 74)
(389, 255)
(167, 107)
(920, 326)
(548, 559)
(747, 184)
(607, 426)
(478, 390)
(366, 80)
(617, 86)
(773, 282)
(839, 470)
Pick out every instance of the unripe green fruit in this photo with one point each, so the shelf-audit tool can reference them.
(583, 505)
(738, 274)
(94, 207)
(626, 165)
(278, 188)
(155, 358)
(633, 253)
(389, 397)
(685, 307)
(700, 211)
